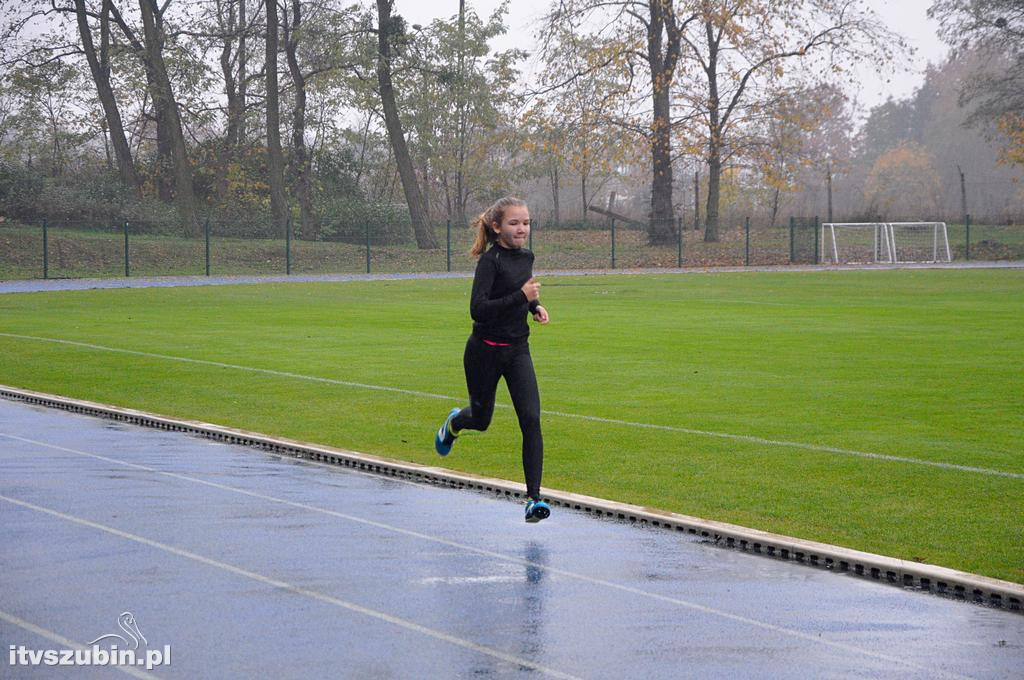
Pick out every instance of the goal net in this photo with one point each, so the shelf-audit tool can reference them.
(855, 243)
(889, 242)
(919, 242)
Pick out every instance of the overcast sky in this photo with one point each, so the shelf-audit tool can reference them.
(907, 17)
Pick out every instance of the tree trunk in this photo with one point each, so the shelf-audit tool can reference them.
(275, 158)
(106, 145)
(164, 169)
(56, 169)
(310, 229)
(362, 150)
(164, 150)
(111, 114)
(775, 206)
(714, 192)
(662, 61)
(696, 199)
(184, 192)
(661, 228)
(449, 204)
(462, 115)
(243, 75)
(714, 138)
(425, 238)
(231, 92)
(553, 175)
(583, 197)
(425, 176)
(163, 174)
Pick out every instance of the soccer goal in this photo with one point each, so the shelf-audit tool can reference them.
(884, 242)
(919, 242)
(855, 243)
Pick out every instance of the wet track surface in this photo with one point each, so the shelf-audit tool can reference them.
(252, 565)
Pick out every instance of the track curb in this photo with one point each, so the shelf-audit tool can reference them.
(921, 576)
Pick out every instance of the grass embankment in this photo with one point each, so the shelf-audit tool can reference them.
(77, 253)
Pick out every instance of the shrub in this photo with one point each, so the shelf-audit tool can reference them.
(105, 203)
(347, 219)
(20, 190)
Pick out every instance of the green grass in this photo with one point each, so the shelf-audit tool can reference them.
(924, 364)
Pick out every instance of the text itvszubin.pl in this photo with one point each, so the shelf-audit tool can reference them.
(94, 656)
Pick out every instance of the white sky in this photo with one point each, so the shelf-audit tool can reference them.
(907, 17)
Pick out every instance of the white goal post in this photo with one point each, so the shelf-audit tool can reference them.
(883, 242)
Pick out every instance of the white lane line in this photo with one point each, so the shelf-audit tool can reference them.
(560, 414)
(495, 555)
(68, 644)
(298, 590)
(795, 445)
(218, 364)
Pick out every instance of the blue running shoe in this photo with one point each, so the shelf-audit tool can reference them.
(536, 511)
(444, 438)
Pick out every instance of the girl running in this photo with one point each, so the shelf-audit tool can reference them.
(504, 290)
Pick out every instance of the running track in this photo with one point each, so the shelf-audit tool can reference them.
(253, 565)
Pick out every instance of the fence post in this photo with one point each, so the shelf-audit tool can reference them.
(792, 230)
(829, 192)
(449, 244)
(367, 246)
(746, 246)
(533, 223)
(288, 246)
(46, 253)
(696, 200)
(613, 243)
(967, 223)
(207, 230)
(679, 239)
(127, 271)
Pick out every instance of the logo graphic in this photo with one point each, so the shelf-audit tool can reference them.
(92, 655)
(127, 623)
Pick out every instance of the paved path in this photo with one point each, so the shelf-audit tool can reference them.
(252, 565)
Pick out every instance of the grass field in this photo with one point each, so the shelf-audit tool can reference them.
(752, 380)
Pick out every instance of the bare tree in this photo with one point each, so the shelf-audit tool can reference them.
(388, 28)
(742, 50)
(163, 100)
(275, 157)
(650, 33)
(99, 65)
(235, 27)
(302, 169)
(993, 30)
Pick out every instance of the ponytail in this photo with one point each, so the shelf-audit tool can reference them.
(482, 224)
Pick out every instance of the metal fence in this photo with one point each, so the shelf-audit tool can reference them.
(85, 250)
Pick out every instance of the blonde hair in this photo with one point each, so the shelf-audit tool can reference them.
(482, 224)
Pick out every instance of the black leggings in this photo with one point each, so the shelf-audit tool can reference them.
(484, 366)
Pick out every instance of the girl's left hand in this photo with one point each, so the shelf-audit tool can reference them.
(541, 315)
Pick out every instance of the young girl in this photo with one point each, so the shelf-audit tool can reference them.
(504, 291)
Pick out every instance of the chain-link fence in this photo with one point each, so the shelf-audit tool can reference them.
(88, 249)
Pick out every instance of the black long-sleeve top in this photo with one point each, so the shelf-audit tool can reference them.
(497, 304)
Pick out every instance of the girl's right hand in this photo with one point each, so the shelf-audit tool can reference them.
(531, 289)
